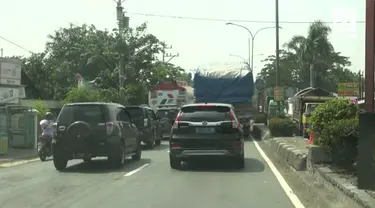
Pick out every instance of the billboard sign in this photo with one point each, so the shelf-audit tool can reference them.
(9, 95)
(10, 71)
(348, 89)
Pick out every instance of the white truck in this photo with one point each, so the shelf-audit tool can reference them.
(170, 94)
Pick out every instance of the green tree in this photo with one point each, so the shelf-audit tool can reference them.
(315, 50)
(82, 94)
(41, 109)
(95, 55)
(300, 53)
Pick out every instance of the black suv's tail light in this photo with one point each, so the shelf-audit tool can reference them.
(237, 145)
(175, 145)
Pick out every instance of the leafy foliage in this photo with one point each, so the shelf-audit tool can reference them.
(333, 120)
(95, 55)
(281, 127)
(260, 118)
(41, 109)
(300, 53)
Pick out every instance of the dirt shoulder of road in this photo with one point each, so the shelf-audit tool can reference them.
(313, 191)
(15, 154)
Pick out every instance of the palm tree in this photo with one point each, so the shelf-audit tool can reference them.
(314, 51)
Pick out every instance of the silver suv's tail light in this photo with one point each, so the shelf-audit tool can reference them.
(109, 127)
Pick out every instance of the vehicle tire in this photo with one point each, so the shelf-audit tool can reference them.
(87, 160)
(240, 162)
(158, 139)
(305, 134)
(138, 153)
(42, 157)
(175, 163)
(60, 162)
(151, 143)
(119, 159)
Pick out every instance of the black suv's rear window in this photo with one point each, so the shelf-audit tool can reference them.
(87, 113)
(135, 111)
(169, 113)
(205, 113)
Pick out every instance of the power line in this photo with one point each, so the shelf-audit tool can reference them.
(13, 43)
(232, 20)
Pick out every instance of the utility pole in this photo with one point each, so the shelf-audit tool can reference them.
(164, 48)
(123, 23)
(170, 56)
(277, 48)
(312, 75)
(360, 84)
(1, 52)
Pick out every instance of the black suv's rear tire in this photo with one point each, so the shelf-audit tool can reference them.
(138, 152)
(118, 159)
(175, 163)
(151, 143)
(240, 162)
(158, 141)
(60, 162)
(87, 160)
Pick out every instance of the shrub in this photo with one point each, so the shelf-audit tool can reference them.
(335, 119)
(260, 118)
(82, 94)
(41, 109)
(336, 123)
(281, 127)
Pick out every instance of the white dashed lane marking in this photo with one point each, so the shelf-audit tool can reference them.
(138, 169)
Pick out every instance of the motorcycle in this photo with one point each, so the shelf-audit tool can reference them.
(44, 147)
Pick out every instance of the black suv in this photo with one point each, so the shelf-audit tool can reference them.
(88, 130)
(166, 117)
(147, 124)
(206, 131)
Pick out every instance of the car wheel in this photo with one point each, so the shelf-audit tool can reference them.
(119, 159)
(305, 134)
(87, 160)
(42, 156)
(60, 162)
(138, 153)
(151, 143)
(240, 162)
(158, 140)
(175, 163)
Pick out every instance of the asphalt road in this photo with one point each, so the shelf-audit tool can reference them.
(155, 185)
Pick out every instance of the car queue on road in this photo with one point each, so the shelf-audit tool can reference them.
(198, 131)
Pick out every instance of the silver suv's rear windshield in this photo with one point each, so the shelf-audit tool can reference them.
(209, 113)
(88, 113)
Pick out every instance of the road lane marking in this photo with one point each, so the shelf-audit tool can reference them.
(136, 170)
(16, 163)
(284, 185)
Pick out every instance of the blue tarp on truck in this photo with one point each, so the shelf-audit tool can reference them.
(223, 87)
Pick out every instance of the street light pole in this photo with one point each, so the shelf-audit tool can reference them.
(251, 52)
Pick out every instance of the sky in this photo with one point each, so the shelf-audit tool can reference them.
(199, 43)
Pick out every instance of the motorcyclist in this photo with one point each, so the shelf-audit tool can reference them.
(47, 126)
